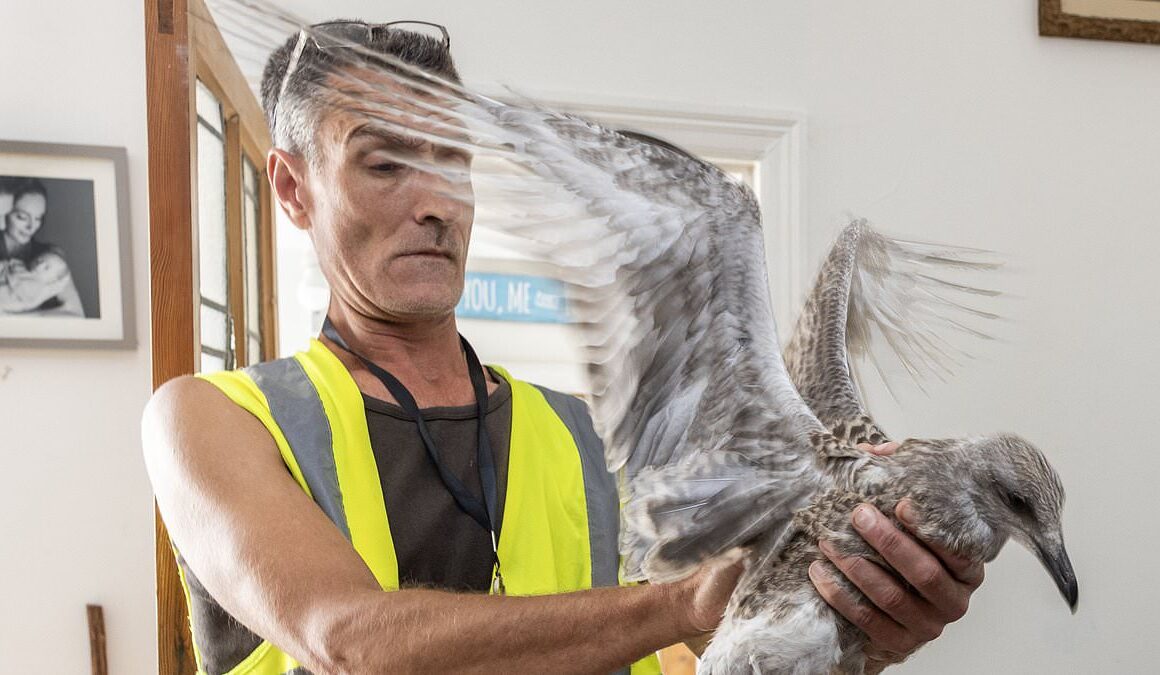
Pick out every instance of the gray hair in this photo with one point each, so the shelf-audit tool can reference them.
(293, 114)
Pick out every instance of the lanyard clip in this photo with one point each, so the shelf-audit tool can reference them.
(497, 579)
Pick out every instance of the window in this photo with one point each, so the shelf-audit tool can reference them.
(234, 238)
(216, 350)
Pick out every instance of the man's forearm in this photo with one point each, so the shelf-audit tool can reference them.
(594, 631)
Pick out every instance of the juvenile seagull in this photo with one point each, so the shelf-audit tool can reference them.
(973, 493)
(664, 257)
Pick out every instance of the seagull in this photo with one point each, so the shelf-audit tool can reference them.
(720, 441)
(974, 493)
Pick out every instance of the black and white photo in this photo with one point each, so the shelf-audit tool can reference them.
(63, 246)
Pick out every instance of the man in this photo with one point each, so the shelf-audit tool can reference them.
(277, 484)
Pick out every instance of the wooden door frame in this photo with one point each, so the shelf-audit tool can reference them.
(172, 67)
(169, 99)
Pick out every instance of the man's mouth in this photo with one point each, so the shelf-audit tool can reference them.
(429, 252)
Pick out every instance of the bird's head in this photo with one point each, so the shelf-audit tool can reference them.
(1020, 496)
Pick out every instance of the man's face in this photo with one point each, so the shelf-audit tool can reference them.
(391, 239)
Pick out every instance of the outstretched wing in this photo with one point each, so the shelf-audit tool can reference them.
(873, 284)
(664, 258)
(666, 261)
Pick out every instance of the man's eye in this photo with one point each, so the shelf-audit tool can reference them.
(386, 167)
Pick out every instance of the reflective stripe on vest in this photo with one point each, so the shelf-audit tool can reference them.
(561, 515)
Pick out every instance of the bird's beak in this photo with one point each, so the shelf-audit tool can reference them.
(1054, 557)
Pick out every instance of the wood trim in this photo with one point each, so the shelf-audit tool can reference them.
(97, 646)
(216, 64)
(169, 91)
(268, 264)
(169, 83)
(1053, 21)
(235, 252)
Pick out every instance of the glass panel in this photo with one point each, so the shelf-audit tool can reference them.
(254, 349)
(250, 178)
(211, 363)
(251, 217)
(208, 107)
(213, 328)
(211, 205)
(741, 170)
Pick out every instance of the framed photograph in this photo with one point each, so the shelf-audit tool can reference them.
(65, 268)
(1124, 20)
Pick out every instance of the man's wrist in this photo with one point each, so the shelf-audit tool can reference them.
(679, 598)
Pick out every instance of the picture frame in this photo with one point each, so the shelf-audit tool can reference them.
(66, 272)
(1122, 20)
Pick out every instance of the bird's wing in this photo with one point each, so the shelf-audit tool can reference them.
(663, 255)
(871, 284)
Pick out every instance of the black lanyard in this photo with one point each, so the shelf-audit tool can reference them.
(484, 514)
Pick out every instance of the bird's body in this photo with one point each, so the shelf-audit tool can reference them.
(777, 623)
(972, 494)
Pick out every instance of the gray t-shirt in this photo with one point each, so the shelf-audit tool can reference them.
(437, 544)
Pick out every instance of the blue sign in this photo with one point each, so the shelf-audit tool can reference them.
(512, 297)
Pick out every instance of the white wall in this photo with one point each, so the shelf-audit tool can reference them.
(968, 128)
(76, 513)
(953, 122)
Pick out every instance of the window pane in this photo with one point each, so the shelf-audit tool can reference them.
(254, 349)
(211, 202)
(208, 107)
(250, 178)
(213, 329)
(251, 217)
(211, 363)
(744, 171)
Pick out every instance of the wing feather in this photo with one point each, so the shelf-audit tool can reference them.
(870, 284)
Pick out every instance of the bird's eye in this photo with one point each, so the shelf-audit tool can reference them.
(1019, 505)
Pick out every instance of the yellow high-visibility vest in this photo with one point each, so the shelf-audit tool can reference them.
(561, 509)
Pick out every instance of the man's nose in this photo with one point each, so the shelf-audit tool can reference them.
(439, 199)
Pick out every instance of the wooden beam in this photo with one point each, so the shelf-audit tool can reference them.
(100, 661)
(235, 253)
(169, 85)
(268, 264)
(216, 64)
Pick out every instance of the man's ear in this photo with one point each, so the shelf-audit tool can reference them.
(287, 174)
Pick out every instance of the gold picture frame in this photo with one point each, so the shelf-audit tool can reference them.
(1122, 20)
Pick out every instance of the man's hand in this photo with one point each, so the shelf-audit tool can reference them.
(902, 619)
(705, 595)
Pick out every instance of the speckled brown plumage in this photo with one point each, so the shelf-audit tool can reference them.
(971, 495)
